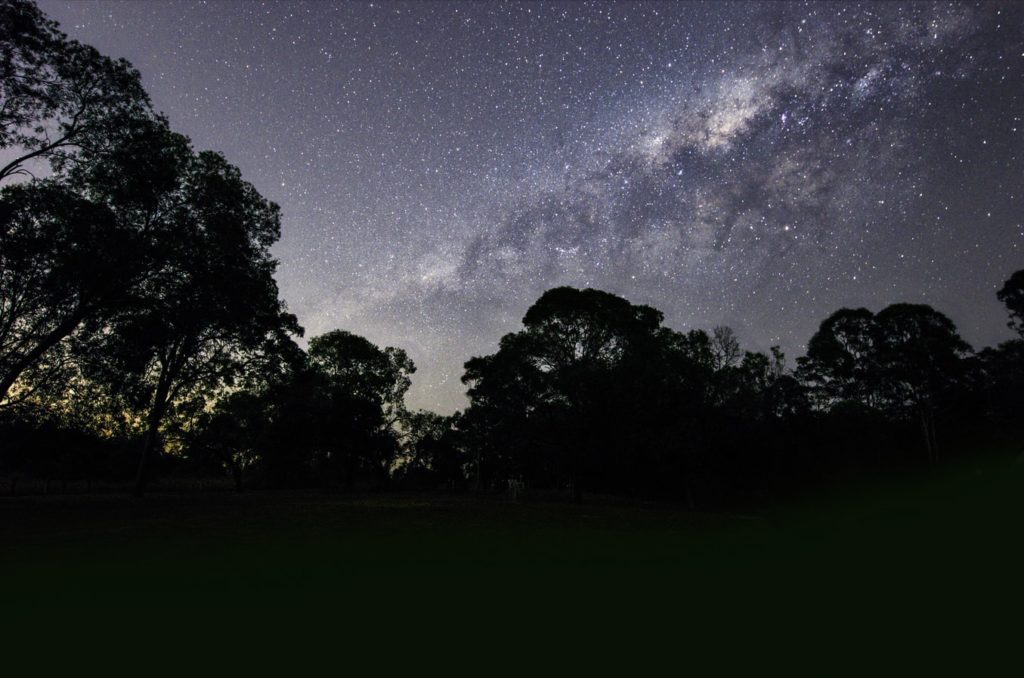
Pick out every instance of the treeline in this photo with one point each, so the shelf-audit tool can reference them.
(594, 393)
(142, 336)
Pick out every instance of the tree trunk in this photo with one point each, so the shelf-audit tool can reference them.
(152, 439)
(928, 434)
(149, 444)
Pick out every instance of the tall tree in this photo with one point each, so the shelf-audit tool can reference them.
(899, 361)
(367, 387)
(72, 246)
(920, 355)
(589, 327)
(51, 277)
(211, 309)
(551, 387)
(725, 347)
(78, 247)
(431, 453)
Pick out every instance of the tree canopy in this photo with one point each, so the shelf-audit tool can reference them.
(59, 97)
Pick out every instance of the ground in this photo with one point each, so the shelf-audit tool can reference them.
(879, 560)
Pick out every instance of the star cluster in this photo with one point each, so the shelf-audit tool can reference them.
(759, 165)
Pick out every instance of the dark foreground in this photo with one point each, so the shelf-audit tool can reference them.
(934, 563)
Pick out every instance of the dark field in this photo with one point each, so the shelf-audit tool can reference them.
(931, 559)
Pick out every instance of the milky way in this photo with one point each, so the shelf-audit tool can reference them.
(756, 165)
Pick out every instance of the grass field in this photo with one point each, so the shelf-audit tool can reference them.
(913, 557)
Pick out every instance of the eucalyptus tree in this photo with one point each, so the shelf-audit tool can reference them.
(550, 403)
(358, 367)
(76, 243)
(841, 361)
(209, 308)
(366, 387)
(900, 362)
(920, 358)
(79, 247)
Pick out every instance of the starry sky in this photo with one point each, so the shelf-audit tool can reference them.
(439, 165)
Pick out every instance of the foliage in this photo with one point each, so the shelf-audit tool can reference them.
(1012, 295)
(58, 97)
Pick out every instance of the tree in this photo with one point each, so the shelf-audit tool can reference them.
(78, 246)
(999, 383)
(57, 96)
(920, 355)
(1002, 367)
(210, 310)
(431, 453)
(61, 258)
(230, 434)
(545, 404)
(1012, 295)
(841, 362)
(725, 347)
(29, 45)
(900, 361)
(585, 327)
(367, 387)
(506, 390)
(353, 364)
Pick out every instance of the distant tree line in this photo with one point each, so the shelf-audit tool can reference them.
(142, 336)
(594, 393)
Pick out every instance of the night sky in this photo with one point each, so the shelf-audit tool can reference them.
(439, 165)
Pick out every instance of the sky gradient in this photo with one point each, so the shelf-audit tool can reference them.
(439, 165)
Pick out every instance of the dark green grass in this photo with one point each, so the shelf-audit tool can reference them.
(935, 561)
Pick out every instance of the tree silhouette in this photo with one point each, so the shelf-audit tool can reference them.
(58, 96)
(920, 356)
(230, 434)
(900, 361)
(1012, 295)
(841, 361)
(432, 455)
(542, 405)
(59, 263)
(327, 416)
(76, 248)
(367, 387)
(725, 347)
(210, 308)
(354, 365)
